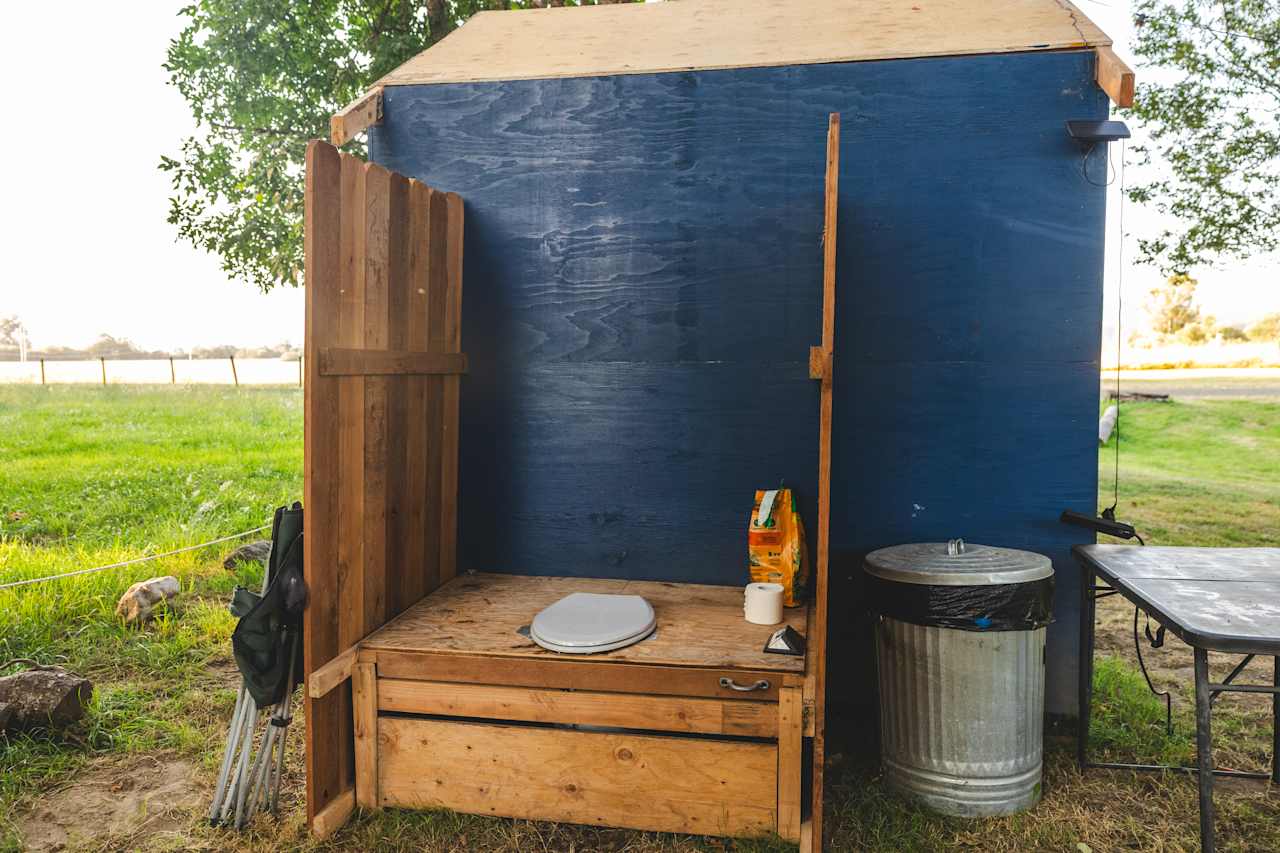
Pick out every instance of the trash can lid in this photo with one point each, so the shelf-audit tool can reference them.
(955, 563)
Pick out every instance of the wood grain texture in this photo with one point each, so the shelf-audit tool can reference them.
(790, 762)
(331, 818)
(356, 116)
(816, 659)
(641, 781)
(364, 698)
(1115, 77)
(365, 362)
(588, 708)
(715, 34)
(327, 775)
(367, 460)
(643, 267)
(480, 614)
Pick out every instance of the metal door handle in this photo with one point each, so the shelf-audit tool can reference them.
(744, 688)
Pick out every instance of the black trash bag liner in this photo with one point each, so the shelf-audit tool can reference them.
(991, 607)
(269, 632)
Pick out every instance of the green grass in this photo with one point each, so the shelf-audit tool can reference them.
(94, 475)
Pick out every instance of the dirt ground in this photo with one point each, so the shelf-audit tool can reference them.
(114, 800)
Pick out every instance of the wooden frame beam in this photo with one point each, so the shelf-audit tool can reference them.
(1114, 77)
(356, 116)
(333, 673)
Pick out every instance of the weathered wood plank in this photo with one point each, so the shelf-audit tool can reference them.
(323, 679)
(451, 333)
(326, 773)
(377, 465)
(578, 675)
(647, 782)
(361, 113)
(592, 708)
(331, 818)
(790, 762)
(816, 659)
(399, 563)
(364, 698)
(419, 567)
(1115, 77)
(349, 472)
(337, 361)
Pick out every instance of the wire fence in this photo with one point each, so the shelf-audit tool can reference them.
(134, 561)
(172, 370)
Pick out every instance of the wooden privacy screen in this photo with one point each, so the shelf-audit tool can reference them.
(384, 299)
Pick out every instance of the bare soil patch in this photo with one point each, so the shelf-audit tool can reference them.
(111, 801)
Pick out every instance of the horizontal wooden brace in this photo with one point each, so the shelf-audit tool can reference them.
(356, 116)
(333, 673)
(819, 363)
(331, 818)
(365, 362)
(1114, 77)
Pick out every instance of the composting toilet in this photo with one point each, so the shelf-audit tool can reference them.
(586, 622)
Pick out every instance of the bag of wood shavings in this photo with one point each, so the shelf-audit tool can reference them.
(776, 550)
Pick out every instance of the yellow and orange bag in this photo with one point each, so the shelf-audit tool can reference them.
(776, 551)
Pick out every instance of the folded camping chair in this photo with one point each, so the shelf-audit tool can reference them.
(267, 644)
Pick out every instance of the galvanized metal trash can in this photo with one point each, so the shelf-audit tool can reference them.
(960, 652)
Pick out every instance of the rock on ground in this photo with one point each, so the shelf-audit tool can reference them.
(48, 697)
(249, 551)
(140, 600)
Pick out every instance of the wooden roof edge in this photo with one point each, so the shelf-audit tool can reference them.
(356, 116)
(1114, 76)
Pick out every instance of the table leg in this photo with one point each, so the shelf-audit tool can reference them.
(1085, 698)
(1204, 750)
(1275, 722)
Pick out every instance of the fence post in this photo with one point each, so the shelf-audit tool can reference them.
(42, 371)
(173, 377)
(103, 360)
(234, 377)
(299, 371)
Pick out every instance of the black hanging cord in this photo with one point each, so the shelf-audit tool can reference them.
(1157, 640)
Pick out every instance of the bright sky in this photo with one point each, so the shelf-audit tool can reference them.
(89, 251)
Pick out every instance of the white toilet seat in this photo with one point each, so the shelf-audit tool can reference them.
(588, 622)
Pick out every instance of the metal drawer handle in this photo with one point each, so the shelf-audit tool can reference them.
(744, 688)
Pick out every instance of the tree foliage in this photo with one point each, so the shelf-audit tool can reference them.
(1173, 305)
(262, 77)
(1212, 107)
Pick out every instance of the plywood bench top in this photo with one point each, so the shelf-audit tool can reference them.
(480, 613)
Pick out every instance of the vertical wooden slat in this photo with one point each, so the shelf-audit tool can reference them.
(421, 568)
(437, 295)
(377, 189)
(817, 653)
(364, 695)
(399, 561)
(452, 390)
(349, 518)
(790, 761)
(326, 777)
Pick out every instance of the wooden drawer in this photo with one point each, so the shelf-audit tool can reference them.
(689, 785)
(592, 708)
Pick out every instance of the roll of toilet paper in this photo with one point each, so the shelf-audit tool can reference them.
(763, 603)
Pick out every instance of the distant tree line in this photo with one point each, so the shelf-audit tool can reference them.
(112, 347)
(1175, 316)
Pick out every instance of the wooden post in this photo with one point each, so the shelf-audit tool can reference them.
(103, 360)
(790, 761)
(364, 697)
(173, 377)
(42, 371)
(234, 377)
(816, 674)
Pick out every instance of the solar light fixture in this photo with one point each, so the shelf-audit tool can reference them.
(1093, 132)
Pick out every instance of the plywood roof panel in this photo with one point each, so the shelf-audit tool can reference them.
(680, 35)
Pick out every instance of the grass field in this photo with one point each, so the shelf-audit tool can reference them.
(93, 475)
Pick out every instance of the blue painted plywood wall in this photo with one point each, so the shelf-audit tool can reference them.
(643, 275)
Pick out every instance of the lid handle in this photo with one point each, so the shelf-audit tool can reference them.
(954, 547)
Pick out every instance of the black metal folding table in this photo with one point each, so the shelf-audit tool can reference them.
(1214, 600)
